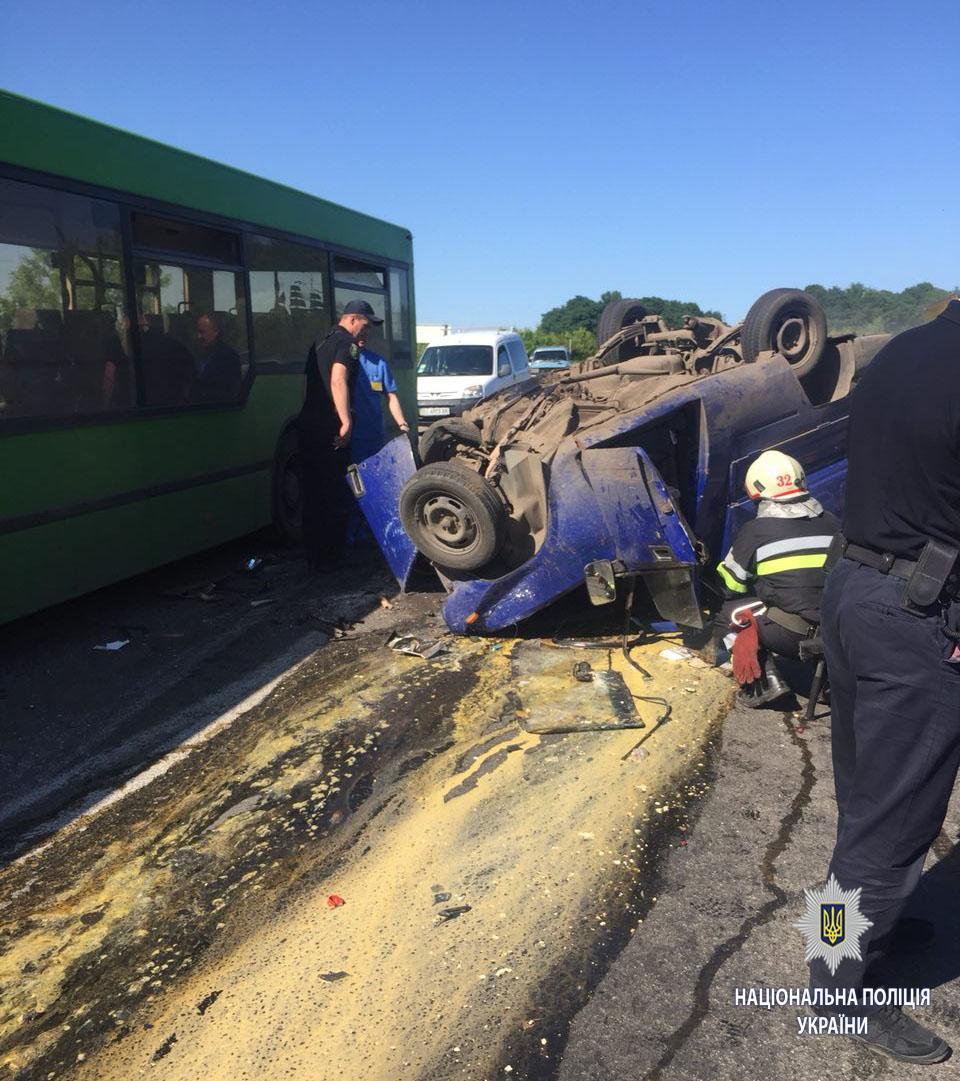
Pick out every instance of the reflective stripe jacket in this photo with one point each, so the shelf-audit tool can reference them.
(780, 560)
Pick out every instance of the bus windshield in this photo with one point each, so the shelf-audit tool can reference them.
(456, 360)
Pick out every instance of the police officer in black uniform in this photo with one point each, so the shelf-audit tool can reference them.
(889, 626)
(324, 428)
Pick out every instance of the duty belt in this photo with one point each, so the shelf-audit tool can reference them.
(789, 620)
(884, 562)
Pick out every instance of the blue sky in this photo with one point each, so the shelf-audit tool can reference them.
(707, 151)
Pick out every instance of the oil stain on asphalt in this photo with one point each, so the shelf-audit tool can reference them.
(193, 931)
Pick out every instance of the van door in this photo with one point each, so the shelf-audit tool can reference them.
(504, 372)
(518, 358)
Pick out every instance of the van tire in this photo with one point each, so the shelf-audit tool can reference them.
(453, 516)
(288, 489)
(787, 321)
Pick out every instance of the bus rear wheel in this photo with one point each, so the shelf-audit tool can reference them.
(288, 489)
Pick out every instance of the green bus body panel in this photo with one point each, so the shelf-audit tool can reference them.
(37, 136)
(55, 472)
(164, 485)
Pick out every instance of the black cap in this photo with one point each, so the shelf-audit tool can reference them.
(361, 307)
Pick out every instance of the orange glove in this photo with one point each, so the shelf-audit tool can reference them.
(743, 656)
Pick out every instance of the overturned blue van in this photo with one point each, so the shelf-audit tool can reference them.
(629, 466)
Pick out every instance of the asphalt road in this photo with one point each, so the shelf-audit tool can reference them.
(202, 635)
(639, 890)
(723, 920)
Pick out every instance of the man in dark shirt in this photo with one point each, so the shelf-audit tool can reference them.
(894, 676)
(168, 369)
(220, 372)
(325, 427)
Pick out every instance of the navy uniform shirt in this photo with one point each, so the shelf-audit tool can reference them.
(903, 457)
(318, 417)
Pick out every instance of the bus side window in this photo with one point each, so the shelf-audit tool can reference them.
(193, 323)
(193, 333)
(288, 299)
(63, 325)
(400, 318)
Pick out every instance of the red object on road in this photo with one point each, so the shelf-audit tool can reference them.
(743, 656)
(335, 901)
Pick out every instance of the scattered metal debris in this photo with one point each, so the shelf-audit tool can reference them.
(439, 898)
(112, 647)
(594, 701)
(414, 646)
(332, 977)
(582, 672)
(453, 913)
(252, 564)
(335, 901)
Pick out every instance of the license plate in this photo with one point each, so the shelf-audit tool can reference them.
(435, 411)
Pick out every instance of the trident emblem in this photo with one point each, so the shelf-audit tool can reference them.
(831, 923)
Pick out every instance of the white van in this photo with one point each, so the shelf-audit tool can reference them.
(459, 370)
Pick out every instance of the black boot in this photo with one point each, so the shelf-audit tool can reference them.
(768, 688)
(895, 1033)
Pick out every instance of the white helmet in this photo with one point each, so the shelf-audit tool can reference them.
(776, 476)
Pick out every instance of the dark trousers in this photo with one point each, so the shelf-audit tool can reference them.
(327, 499)
(896, 746)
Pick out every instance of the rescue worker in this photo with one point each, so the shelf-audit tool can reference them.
(776, 565)
(324, 429)
(890, 631)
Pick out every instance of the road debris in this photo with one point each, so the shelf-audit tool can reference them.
(439, 898)
(595, 701)
(253, 564)
(112, 647)
(265, 600)
(384, 602)
(413, 646)
(205, 1003)
(446, 914)
(676, 653)
(333, 977)
(335, 901)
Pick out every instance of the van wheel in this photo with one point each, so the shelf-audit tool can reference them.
(617, 315)
(440, 441)
(288, 489)
(453, 515)
(790, 322)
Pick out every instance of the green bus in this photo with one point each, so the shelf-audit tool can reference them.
(156, 309)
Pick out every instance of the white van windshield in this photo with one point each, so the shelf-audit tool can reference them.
(456, 360)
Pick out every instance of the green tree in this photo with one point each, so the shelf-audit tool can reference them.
(583, 313)
(861, 310)
(578, 311)
(34, 283)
